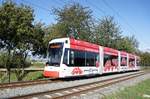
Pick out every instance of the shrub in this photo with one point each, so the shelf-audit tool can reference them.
(3, 59)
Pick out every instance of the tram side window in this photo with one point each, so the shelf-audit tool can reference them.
(123, 61)
(131, 62)
(138, 62)
(82, 58)
(107, 60)
(65, 59)
(91, 59)
(79, 58)
(110, 60)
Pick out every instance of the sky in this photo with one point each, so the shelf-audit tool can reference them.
(132, 15)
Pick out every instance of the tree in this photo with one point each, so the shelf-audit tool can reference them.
(145, 58)
(134, 42)
(15, 22)
(128, 44)
(42, 36)
(16, 30)
(73, 21)
(107, 32)
(39, 46)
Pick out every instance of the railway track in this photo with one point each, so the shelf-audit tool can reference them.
(79, 89)
(27, 83)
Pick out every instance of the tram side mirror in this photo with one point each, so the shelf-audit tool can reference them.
(47, 63)
(66, 41)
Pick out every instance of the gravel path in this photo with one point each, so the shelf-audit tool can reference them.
(7, 93)
(100, 93)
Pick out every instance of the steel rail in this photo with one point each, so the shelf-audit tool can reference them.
(27, 83)
(82, 88)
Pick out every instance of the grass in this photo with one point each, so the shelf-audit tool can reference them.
(38, 64)
(4, 78)
(30, 76)
(133, 92)
(34, 75)
(1, 76)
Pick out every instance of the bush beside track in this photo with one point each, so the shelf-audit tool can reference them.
(31, 75)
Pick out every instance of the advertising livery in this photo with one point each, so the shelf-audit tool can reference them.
(70, 57)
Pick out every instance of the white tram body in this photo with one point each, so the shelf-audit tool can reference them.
(69, 57)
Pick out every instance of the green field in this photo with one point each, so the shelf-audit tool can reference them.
(29, 76)
(38, 64)
(139, 91)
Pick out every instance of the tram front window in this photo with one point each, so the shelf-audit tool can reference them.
(55, 53)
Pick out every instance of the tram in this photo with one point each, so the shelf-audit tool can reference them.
(68, 57)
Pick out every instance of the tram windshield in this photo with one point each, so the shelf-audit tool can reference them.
(55, 53)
